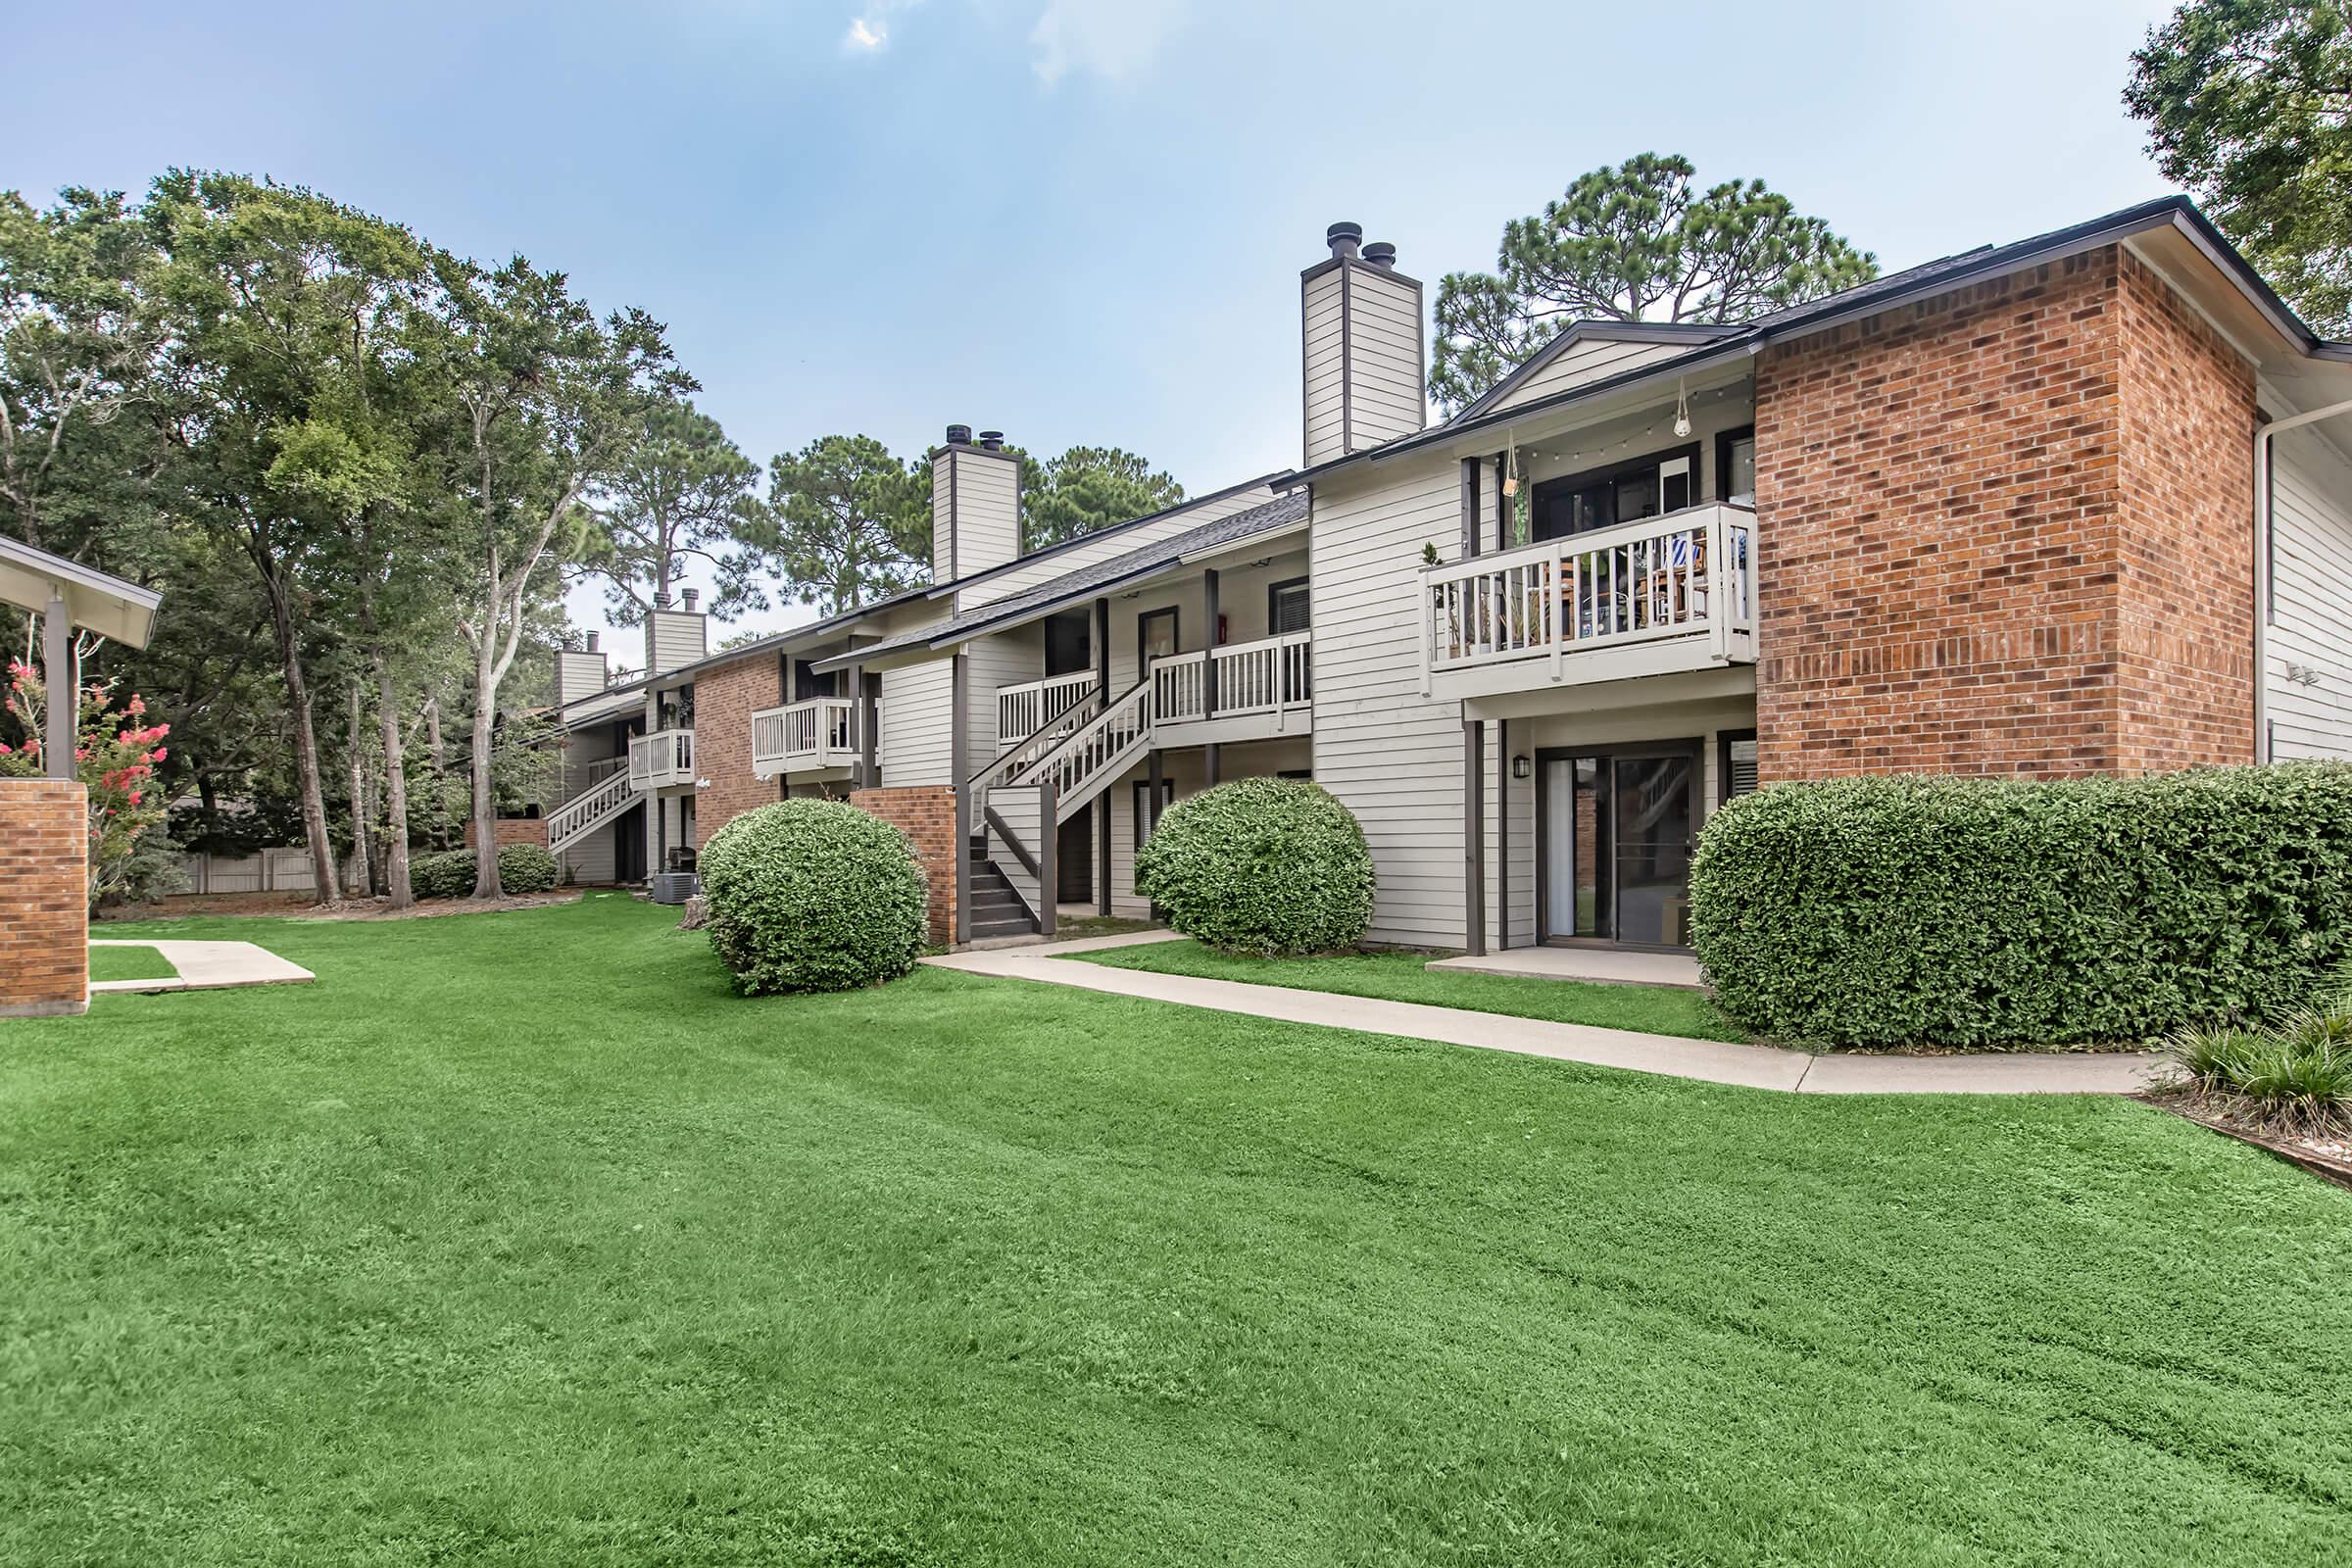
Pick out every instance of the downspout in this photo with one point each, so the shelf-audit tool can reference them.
(2262, 438)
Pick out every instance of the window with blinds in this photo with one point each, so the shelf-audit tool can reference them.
(1286, 606)
(1739, 761)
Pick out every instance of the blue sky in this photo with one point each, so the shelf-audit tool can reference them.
(1073, 219)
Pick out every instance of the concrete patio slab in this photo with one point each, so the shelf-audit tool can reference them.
(1670, 1056)
(1606, 966)
(207, 967)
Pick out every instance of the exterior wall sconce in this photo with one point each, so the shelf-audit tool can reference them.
(1522, 766)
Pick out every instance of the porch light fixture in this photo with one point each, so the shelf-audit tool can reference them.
(1682, 411)
(1522, 766)
(1510, 473)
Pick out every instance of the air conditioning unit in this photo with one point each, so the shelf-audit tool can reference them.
(675, 887)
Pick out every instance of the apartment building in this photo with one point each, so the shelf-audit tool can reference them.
(2081, 502)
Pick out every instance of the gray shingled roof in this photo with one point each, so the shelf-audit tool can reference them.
(1284, 511)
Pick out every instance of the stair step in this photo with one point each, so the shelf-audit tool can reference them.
(985, 930)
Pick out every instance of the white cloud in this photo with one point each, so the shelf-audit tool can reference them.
(870, 30)
(1112, 38)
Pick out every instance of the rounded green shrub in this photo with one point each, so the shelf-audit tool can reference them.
(525, 868)
(812, 895)
(442, 874)
(1952, 912)
(1268, 866)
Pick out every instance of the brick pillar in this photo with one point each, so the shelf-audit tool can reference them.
(926, 814)
(44, 898)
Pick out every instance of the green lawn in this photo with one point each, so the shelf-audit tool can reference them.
(516, 1239)
(1408, 977)
(129, 963)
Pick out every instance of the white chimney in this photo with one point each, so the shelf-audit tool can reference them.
(1364, 348)
(675, 637)
(975, 504)
(579, 672)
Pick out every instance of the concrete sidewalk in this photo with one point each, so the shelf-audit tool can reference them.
(1670, 1055)
(207, 967)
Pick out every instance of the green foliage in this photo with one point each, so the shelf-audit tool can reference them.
(812, 895)
(525, 868)
(1888, 912)
(452, 873)
(149, 872)
(116, 756)
(1266, 866)
(2245, 103)
(2295, 1078)
(1635, 243)
(1088, 488)
(842, 524)
(680, 490)
(442, 874)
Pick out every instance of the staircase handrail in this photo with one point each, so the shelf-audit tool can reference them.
(1073, 719)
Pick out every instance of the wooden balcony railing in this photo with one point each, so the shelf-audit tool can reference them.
(1689, 574)
(661, 759)
(805, 736)
(1272, 675)
(1024, 710)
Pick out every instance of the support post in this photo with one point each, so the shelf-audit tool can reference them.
(1502, 836)
(1152, 788)
(1049, 872)
(869, 694)
(63, 683)
(1502, 504)
(1470, 504)
(1103, 854)
(959, 731)
(1474, 837)
(1103, 649)
(1208, 661)
(1208, 767)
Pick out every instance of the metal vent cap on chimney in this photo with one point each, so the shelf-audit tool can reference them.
(1381, 254)
(959, 436)
(592, 640)
(991, 440)
(690, 596)
(1345, 239)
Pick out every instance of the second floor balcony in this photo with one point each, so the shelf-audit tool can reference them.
(1646, 598)
(804, 737)
(661, 760)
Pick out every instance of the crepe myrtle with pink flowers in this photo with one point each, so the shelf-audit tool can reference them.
(116, 755)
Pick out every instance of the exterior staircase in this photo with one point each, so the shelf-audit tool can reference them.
(602, 801)
(996, 910)
(1027, 794)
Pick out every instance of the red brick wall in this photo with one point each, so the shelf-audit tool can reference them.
(1959, 568)
(514, 830)
(45, 896)
(2186, 612)
(724, 700)
(926, 814)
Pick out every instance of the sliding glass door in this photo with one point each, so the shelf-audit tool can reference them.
(1615, 830)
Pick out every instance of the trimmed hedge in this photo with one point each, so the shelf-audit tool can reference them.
(526, 869)
(1890, 911)
(442, 874)
(451, 873)
(812, 895)
(1266, 866)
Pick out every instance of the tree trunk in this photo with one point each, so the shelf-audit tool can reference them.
(396, 790)
(306, 743)
(485, 799)
(360, 875)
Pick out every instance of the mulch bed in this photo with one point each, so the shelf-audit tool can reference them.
(2327, 1157)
